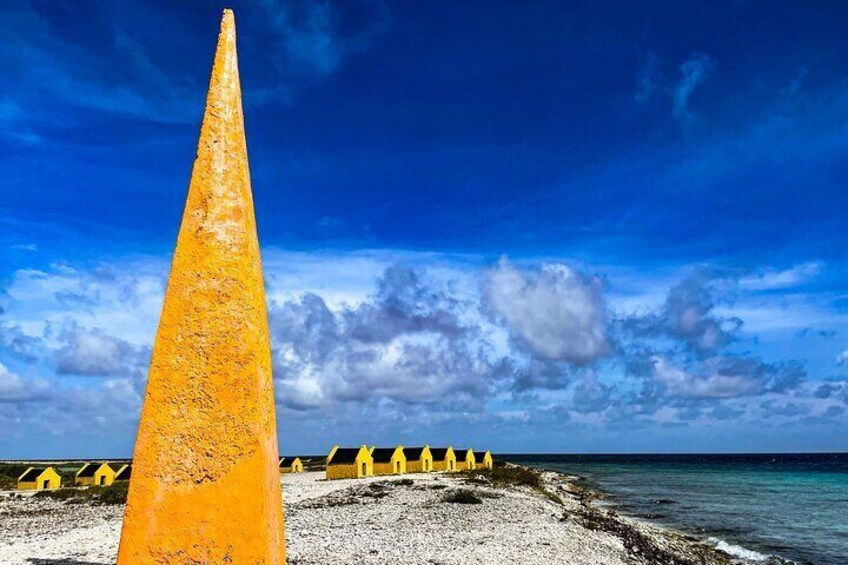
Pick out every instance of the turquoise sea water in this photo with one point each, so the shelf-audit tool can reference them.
(794, 506)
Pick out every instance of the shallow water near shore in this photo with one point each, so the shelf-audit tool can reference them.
(794, 506)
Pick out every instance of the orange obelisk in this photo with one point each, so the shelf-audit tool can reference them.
(205, 484)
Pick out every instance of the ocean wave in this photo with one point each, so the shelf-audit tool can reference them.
(739, 551)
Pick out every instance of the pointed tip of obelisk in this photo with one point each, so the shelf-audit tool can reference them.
(228, 22)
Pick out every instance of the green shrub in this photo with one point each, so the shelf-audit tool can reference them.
(508, 476)
(60, 494)
(9, 473)
(114, 494)
(552, 496)
(513, 476)
(462, 496)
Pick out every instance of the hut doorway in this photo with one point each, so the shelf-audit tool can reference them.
(45, 484)
(364, 469)
(102, 481)
(397, 467)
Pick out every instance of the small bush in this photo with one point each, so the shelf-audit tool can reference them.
(462, 496)
(508, 476)
(315, 464)
(9, 473)
(114, 494)
(59, 494)
(552, 496)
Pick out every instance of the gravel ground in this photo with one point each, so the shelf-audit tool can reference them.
(378, 521)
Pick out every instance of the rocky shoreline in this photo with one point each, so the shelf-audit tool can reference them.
(420, 518)
(644, 543)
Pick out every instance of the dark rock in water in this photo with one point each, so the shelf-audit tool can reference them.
(653, 516)
(665, 501)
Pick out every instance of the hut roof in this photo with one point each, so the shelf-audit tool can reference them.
(88, 470)
(344, 456)
(383, 454)
(31, 474)
(439, 453)
(125, 473)
(287, 460)
(413, 453)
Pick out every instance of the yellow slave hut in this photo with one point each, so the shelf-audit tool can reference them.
(485, 460)
(465, 460)
(95, 474)
(349, 463)
(43, 478)
(418, 459)
(443, 459)
(289, 464)
(388, 460)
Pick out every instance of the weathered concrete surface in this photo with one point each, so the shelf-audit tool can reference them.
(205, 485)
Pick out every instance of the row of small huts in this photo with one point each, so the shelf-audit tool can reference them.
(363, 461)
(90, 474)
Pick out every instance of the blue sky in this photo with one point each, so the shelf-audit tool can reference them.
(537, 226)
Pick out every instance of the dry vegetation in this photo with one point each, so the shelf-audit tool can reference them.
(113, 494)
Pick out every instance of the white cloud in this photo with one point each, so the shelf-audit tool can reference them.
(14, 388)
(680, 383)
(93, 352)
(787, 278)
(122, 297)
(555, 312)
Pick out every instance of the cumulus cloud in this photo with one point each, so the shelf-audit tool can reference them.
(541, 374)
(688, 314)
(718, 378)
(405, 344)
(590, 394)
(554, 312)
(403, 304)
(842, 358)
(693, 73)
(93, 352)
(18, 344)
(14, 388)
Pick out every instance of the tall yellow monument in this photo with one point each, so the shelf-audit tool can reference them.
(205, 485)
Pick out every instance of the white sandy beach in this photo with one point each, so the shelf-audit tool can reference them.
(373, 521)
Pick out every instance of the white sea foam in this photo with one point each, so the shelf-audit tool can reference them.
(739, 551)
